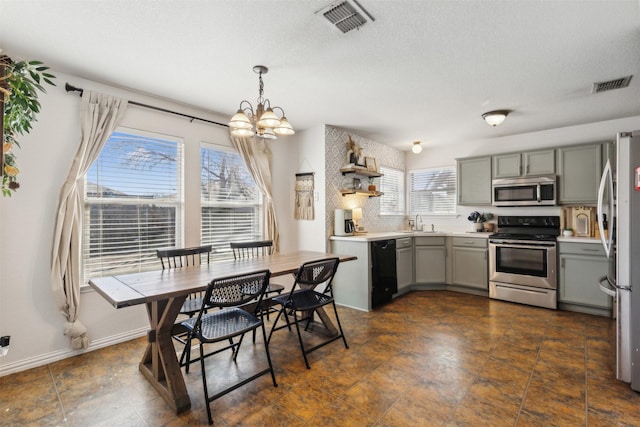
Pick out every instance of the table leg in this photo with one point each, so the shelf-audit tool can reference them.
(159, 364)
(326, 321)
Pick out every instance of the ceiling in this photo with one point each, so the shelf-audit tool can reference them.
(423, 70)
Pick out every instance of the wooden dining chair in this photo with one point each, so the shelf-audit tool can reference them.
(253, 249)
(184, 257)
(232, 295)
(304, 299)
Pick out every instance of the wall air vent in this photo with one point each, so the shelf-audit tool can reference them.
(345, 15)
(611, 84)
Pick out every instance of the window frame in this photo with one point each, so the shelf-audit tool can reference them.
(400, 194)
(452, 212)
(220, 248)
(143, 259)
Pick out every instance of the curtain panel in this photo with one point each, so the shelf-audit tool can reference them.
(99, 116)
(257, 157)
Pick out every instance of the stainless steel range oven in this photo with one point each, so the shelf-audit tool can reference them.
(522, 260)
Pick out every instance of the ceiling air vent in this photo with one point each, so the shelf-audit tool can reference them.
(345, 15)
(611, 84)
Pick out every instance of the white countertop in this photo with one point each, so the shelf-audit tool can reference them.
(369, 237)
(383, 235)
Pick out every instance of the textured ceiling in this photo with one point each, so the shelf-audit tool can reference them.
(424, 70)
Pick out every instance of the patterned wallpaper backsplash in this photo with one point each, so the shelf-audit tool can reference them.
(336, 158)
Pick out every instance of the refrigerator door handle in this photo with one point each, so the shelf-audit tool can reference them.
(607, 177)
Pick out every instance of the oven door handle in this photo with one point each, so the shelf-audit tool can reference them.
(527, 246)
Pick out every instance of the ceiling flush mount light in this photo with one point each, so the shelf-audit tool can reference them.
(263, 121)
(494, 118)
(417, 147)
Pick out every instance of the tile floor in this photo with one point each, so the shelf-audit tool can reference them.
(429, 358)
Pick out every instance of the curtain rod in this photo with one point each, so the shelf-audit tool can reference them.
(70, 88)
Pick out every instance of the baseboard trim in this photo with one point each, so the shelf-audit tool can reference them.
(55, 356)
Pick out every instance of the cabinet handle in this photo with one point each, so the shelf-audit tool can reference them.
(590, 250)
(527, 169)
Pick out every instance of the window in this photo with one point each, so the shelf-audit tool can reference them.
(392, 185)
(231, 201)
(432, 191)
(132, 203)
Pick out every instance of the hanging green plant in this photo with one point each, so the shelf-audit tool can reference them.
(20, 83)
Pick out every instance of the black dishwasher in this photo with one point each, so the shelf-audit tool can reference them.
(384, 282)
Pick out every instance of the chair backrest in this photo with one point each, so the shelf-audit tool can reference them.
(251, 249)
(184, 257)
(233, 291)
(314, 273)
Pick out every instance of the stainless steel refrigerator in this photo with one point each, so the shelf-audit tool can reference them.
(619, 225)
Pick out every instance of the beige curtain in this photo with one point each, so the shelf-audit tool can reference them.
(99, 115)
(257, 157)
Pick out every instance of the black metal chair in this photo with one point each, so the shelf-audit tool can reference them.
(305, 299)
(232, 295)
(178, 258)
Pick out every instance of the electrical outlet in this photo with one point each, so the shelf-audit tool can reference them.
(4, 345)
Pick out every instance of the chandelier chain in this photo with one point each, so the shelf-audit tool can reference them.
(260, 88)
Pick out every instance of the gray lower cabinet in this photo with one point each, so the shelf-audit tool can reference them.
(404, 264)
(579, 171)
(470, 262)
(474, 181)
(430, 260)
(581, 265)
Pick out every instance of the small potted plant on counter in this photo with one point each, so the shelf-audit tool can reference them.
(477, 219)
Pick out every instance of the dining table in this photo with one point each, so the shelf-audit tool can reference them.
(164, 291)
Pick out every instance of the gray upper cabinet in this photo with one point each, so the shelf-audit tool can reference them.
(530, 163)
(474, 181)
(579, 170)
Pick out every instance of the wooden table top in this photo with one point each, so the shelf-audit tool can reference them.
(139, 288)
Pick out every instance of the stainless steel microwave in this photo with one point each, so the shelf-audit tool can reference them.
(529, 191)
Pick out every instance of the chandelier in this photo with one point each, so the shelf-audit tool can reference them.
(262, 122)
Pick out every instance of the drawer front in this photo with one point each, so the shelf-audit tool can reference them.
(406, 242)
(470, 242)
(430, 241)
(594, 249)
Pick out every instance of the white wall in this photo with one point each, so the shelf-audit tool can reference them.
(446, 155)
(302, 152)
(27, 311)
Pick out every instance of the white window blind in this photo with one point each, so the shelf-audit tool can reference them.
(133, 203)
(432, 191)
(392, 185)
(231, 201)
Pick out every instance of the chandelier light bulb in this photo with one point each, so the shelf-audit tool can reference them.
(240, 121)
(417, 147)
(284, 128)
